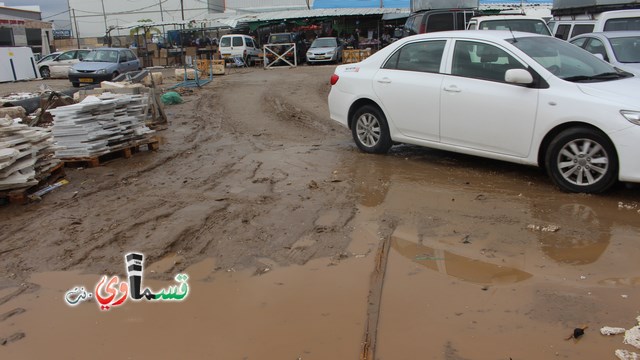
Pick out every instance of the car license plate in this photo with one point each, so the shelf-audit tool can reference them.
(86, 80)
(226, 56)
(320, 57)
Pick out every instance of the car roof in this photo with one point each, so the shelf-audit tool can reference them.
(326, 37)
(495, 35)
(617, 34)
(109, 48)
(506, 17)
(235, 35)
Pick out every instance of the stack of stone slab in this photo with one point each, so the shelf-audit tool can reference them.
(26, 154)
(99, 125)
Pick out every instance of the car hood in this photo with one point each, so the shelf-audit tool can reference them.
(622, 91)
(92, 66)
(321, 49)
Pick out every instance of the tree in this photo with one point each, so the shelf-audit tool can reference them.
(147, 31)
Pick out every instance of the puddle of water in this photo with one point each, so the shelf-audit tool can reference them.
(314, 311)
(459, 267)
(429, 316)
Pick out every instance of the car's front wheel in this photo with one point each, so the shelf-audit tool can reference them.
(114, 75)
(45, 72)
(582, 160)
(75, 84)
(370, 130)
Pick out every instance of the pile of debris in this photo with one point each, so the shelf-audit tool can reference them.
(26, 154)
(100, 125)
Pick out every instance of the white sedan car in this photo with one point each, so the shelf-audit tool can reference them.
(517, 97)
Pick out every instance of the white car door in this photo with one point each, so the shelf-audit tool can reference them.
(60, 67)
(479, 110)
(408, 86)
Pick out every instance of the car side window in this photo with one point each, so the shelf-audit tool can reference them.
(482, 61)
(424, 56)
(82, 54)
(237, 41)
(595, 46)
(249, 42)
(67, 55)
(563, 31)
(580, 29)
(579, 42)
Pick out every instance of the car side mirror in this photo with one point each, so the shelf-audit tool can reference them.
(518, 76)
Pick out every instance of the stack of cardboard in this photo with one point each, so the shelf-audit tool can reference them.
(25, 154)
(99, 125)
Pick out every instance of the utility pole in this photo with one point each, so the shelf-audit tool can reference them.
(104, 14)
(182, 8)
(77, 33)
(164, 35)
(70, 20)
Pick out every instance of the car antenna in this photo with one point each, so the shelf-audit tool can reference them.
(511, 31)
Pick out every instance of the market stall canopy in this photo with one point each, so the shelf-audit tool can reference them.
(335, 4)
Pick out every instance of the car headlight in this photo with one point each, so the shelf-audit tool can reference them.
(72, 71)
(309, 54)
(101, 71)
(632, 116)
(331, 52)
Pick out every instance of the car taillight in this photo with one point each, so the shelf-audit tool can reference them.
(334, 79)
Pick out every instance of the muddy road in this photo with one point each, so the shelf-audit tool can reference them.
(298, 246)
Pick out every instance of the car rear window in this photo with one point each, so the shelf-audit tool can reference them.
(225, 42)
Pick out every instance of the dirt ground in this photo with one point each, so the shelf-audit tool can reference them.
(298, 246)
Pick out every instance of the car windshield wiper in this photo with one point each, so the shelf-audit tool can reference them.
(603, 76)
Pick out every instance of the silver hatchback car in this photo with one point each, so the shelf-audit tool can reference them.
(325, 49)
(103, 64)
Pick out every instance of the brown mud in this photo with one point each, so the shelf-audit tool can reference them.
(278, 220)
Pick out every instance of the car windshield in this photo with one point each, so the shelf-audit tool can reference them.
(626, 49)
(102, 56)
(317, 43)
(280, 38)
(566, 60)
(525, 25)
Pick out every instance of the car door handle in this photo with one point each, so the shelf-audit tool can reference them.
(453, 89)
(384, 80)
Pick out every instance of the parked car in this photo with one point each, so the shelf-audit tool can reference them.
(620, 48)
(282, 44)
(567, 26)
(437, 20)
(238, 45)
(58, 66)
(523, 23)
(325, 49)
(103, 64)
(517, 97)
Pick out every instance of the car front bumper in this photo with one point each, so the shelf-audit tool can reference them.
(88, 78)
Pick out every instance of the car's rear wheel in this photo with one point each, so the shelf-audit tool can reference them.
(114, 75)
(370, 130)
(45, 72)
(582, 160)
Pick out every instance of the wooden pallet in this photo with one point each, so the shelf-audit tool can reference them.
(152, 144)
(21, 196)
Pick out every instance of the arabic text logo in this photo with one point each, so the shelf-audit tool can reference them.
(113, 292)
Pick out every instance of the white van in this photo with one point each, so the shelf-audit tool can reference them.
(523, 23)
(567, 26)
(239, 45)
